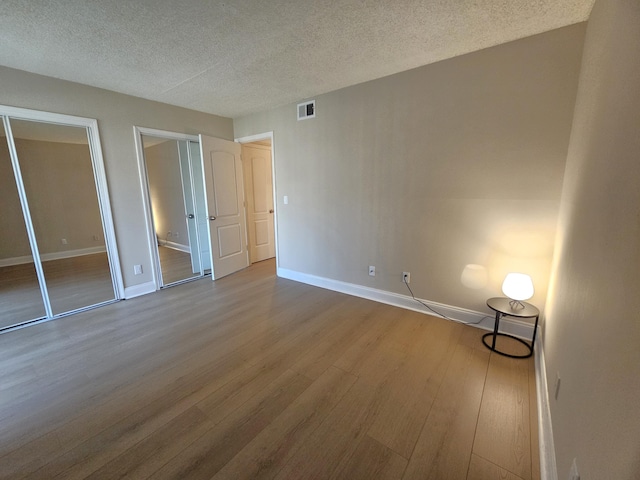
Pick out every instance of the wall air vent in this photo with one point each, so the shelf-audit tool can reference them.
(307, 110)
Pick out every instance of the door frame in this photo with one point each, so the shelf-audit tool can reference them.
(256, 138)
(146, 197)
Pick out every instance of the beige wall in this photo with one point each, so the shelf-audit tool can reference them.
(116, 115)
(165, 189)
(58, 180)
(592, 326)
(14, 241)
(429, 170)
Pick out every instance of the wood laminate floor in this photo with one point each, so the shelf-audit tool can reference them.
(256, 377)
(175, 265)
(73, 283)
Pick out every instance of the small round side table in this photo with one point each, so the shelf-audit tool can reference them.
(506, 307)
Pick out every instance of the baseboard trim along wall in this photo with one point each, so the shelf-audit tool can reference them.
(481, 320)
(548, 469)
(7, 262)
(175, 246)
(138, 290)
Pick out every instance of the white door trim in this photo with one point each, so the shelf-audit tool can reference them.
(257, 138)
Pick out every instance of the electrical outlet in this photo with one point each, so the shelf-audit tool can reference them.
(406, 277)
(176, 234)
(64, 241)
(573, 473)
(96, 238)
(169, 233)
(372, 271)
(137, 269)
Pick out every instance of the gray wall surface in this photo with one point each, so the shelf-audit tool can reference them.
(14, 242)
(429, 170)
(592, 325)
(61, 191)
(165, 190)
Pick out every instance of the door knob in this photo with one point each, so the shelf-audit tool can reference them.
(212, 218)
(191, 216)
(271, 211)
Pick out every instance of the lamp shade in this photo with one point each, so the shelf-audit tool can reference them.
(518, 286)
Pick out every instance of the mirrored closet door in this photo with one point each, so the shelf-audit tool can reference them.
(171, 168)
(20, 295)
(57, 251)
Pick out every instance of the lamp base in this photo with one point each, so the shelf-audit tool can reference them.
(516, 304)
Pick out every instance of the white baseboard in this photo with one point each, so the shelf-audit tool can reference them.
(45, 257)
(175, 246)
(138, 290)
(8, 262)
(548, 469)
(485, 320)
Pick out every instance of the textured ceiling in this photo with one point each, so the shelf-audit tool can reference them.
(236, 57)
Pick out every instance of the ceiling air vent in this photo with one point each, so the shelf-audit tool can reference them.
(307, 110)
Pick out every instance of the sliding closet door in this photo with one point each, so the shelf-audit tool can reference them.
(171, 168)
(189, 205)
(60, 188)
(20, 295)
(200, 202)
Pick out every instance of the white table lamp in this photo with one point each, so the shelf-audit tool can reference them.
(518, 287)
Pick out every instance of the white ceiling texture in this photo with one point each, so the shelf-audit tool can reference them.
(237, 57)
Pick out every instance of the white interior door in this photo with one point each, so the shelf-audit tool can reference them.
(225, 205)
(256, 161)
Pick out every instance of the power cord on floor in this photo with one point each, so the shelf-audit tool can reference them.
(441, 314)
